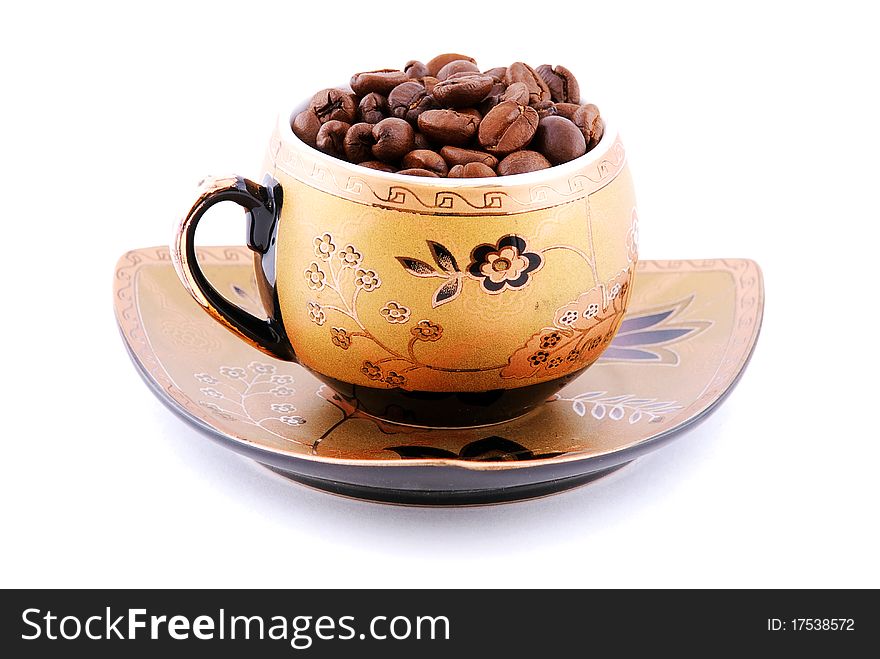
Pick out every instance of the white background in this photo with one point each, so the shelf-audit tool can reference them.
(752, 131)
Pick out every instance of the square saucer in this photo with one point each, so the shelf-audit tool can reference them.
(690, 329)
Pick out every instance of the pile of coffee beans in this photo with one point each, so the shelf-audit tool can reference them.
(447, 118)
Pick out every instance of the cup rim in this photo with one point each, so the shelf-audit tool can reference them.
(542, 176)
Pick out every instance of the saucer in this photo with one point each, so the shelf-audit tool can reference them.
(687, 337)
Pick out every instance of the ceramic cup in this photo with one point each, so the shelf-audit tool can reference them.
(429, 301)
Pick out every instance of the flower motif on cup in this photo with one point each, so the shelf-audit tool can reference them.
(507, 264)
(205, 378)
(350, 257)
(282, 408)
(395, 313)
(324, 246)
(210, 391)
(367, 280)
(394, 379)
(314, 276)
(233, 372)
(282, 391)
(372, 371)
(281, 379)
(582, 329)
(259, 367)
(316, 313)
(292, 420)
(425, 330)
(340, 338)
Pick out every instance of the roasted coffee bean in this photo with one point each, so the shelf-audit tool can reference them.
(462, 91)
(567, 110)
(559, 140)
(454, 155)
(498, 73)
(545, 109)
(521, 162)
(522, 72)
(394, 138)
(588, 120)
(494, 97)
(333, 105)
(471, 170)
(306, 126)
(417, 171)
(381, 82)
(429, 82)
(358, 143)
(376, 164)
(408, 100)
(415, 69)
(435, 64)
(331, 138)
(420, 141)
(561, 82)
(508, 127)
(373, 108)
(425, 159)
(518, 92)
(449, 126)
(457, 66)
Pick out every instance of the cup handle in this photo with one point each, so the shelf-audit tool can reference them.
(263, 205)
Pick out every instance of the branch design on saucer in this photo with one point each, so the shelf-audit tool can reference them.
(617, 408)
(241, 394)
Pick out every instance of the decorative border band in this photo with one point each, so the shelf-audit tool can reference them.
(449, 197)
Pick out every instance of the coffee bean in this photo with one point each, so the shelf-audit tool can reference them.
(561, 82)
(521, 162)
(420, 141)
(333, 105)
(415, 69)
(331, 138)
(417, 171)
(590, 123)
(425, 159)
(306, 126)
(471, 170)
(508, 127)
(559, 140)
(518, 92)
(567, 110)
(454, 155)
(448, 126)
(358, 143)
(376, 164)
(457, 66)
(408, 100)
(545, 109)
(494, 97)
(394, 138)
(463, 90)
(373, 108)
(498, 73)
(381, 82)
(522, 72)
(435, 64)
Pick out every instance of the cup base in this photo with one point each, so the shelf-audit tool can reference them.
(446, 409)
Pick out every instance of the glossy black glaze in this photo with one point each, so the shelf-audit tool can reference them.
(263, 204)
(476, 497)
(448, 409)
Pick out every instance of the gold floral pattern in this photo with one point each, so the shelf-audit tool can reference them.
(425, 330)
(316, 313)
(350, 257)
(367, 280)
(583, 329)
(324, 246)
(315, 276)
(340, 338)
(395, 313)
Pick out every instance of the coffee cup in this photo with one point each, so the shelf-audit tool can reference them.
(428, 301)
